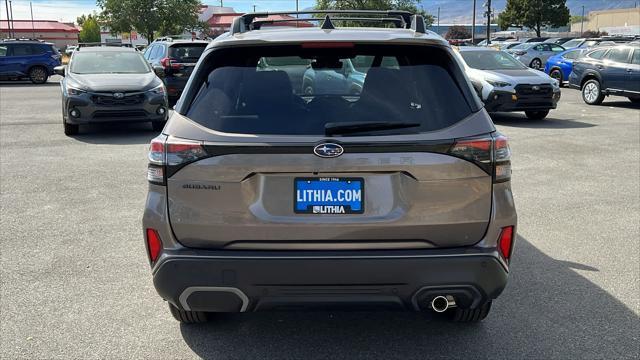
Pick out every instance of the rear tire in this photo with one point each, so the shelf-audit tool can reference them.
(188, 317)
(471, 315)
(634, 100)
(591, 92)
(537, 115)
(38, 75)
(158, 125)
(556, 74)
(70, 129)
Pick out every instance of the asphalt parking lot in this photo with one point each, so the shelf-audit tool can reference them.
(75, 282)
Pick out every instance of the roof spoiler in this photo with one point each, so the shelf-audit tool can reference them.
(402, 19)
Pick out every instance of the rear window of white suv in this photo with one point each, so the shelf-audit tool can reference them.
(309, 89)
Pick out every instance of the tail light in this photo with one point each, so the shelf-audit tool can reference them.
(520, 53)
(170, 63)
(167, 155)
(505, 242)
(154, 244)
(491, 153)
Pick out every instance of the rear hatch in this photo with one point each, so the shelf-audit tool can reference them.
(184, 57)
(254, 163)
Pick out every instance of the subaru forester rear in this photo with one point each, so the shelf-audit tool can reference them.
(263, 196)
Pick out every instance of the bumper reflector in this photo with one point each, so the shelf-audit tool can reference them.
(505, 242)
(154, 244)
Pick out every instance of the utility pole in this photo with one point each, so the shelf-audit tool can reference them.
(13, 26)
(582, 22)
(438, 21)
(6, 4)
(221, 5)
(254, 8)
(488, 22)
(33, 28)
(473, 24)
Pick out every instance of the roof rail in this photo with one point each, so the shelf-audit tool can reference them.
(407, 20)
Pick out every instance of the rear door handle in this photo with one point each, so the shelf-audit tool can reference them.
(629, 70)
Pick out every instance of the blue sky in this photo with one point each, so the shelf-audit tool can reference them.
(458, 11)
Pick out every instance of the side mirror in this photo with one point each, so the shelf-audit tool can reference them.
(159, 70)
(60, 70)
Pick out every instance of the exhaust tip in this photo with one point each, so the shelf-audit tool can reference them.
(441, 303)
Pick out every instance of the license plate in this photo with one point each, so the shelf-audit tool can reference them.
(328, 195)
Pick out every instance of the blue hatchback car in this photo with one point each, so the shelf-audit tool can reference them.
(30, 59)
(559, 66)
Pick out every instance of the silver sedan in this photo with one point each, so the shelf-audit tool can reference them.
(535, 55)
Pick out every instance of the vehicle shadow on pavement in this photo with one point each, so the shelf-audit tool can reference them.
(621, 104)
(547, 311)
(521, 121)
(27, 83)
(116, 134)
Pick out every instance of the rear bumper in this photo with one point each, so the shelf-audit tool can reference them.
(175, 85)
(505, 101)
(235, 281)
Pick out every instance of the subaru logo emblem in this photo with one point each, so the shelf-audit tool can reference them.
(118, 95)
(536, 87)
(328, 150)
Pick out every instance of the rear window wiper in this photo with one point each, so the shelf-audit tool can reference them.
(365, 126)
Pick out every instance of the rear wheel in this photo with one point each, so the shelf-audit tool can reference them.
(591, 93)
(471, 315)
(536, 64)
(188, 317)
(38, 75)
(537, 115)
(158, 125)
(70, 129)
(556, 74)
(634, 100)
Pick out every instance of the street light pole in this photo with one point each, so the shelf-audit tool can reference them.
(6, 4)
(33, 28)
(582, 22)
(438, 20)
(473, 24)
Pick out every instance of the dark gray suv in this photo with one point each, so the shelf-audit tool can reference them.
(262, 196)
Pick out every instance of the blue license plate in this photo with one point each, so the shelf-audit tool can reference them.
(328, 195)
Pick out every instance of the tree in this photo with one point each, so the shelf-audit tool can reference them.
(407, 5)
(534, 14)
(150, 17)
(90, 30)
(458, 32)
(82, 18)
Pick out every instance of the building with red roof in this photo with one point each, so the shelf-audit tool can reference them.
(58, 33)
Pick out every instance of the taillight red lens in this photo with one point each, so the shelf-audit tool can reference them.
(502, 159)
(183, 151)
(505, 242)
(154, 244)
(170, 63)
(478, 150)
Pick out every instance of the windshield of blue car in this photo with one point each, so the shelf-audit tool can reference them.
(491, 60)
(285, 90)
(108, 62)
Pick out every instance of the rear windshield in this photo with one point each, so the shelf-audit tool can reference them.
(293, 90)
(186, 52)
(108, 62)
